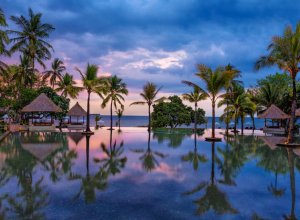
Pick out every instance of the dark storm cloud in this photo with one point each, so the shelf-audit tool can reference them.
(185, 32)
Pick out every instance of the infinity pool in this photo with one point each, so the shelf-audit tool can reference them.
(135, 175)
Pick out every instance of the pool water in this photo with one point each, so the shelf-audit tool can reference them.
(131, 174)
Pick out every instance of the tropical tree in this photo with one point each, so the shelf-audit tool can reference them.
(4, 40)
(195, 97)
(149, 94)
(97, 119)
(3, 36)
(31, 38)
(284, 51)
(114, 88)
(67, 86)
(92, 84)
(215, 81)
(25, 76)
(235, 73)
(57, 68)
(119, 113)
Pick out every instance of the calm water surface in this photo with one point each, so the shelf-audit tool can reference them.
(133, 175)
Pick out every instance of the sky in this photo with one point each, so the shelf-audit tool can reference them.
(159, 40)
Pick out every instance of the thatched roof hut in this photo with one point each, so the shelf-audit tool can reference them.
(42, 104)
(272, 141)
(41, 150)
(77, 110)
(273, 112)
(76, 136)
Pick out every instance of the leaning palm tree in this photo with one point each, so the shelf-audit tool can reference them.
(31, 38)
(67, 87)
(215, 81)
(195, 97)
(114, 88)
(149, 94)
(284, 51)
(92, 84)
(57, 67)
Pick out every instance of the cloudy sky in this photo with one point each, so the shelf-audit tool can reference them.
(160, 40)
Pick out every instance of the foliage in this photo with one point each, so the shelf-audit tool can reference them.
(172, 114)
(67, 86)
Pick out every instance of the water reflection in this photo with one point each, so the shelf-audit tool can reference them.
(193, 156)
(62, 175)
(149, 157)
(213, 198)
(90, 183)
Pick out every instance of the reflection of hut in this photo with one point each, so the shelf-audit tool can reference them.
(76, 137)
(79, 113)
(42, 104)
(278, 119)
(272, 141)
(41, 150)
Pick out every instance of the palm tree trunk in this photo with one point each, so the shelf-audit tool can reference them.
(88, 113)
(87, 153)
(292, 181)
(253, 123)
(235, 122)
(213, 118)
(119, 123)
(212, 176)
(227, 114)
(195, 118)
(290, 138)
(149, 118)
(242, 124)
(111, 120)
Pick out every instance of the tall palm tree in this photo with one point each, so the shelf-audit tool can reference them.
(149, 94)
(57, 68)
(215, 81)
(235, 73)
(31, 38)
(194, 97)
(284, 51)
(119, 113)
(92, 84)
(114, 88)
(67, 87)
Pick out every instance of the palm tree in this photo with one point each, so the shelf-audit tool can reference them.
(67, 87)
(195, 97)
(149, 94)
(119, 113)
(97, 119)
(31, 38)
(284, 51)
(215, 81)
(3, 36)
(114, 88)
(92, 84)
(235, 73)
(4, 40)
(24, 75)
(56, 71)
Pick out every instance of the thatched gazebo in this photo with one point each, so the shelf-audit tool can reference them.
(277, 117)
(78, 112)
(41, 104)
(272, 141)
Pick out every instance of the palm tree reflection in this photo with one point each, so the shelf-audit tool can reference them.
(193, 156)
(90, 183)
(114, 161)
(149, 157)
(213, 198)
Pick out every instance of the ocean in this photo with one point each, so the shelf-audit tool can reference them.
(136, 121)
